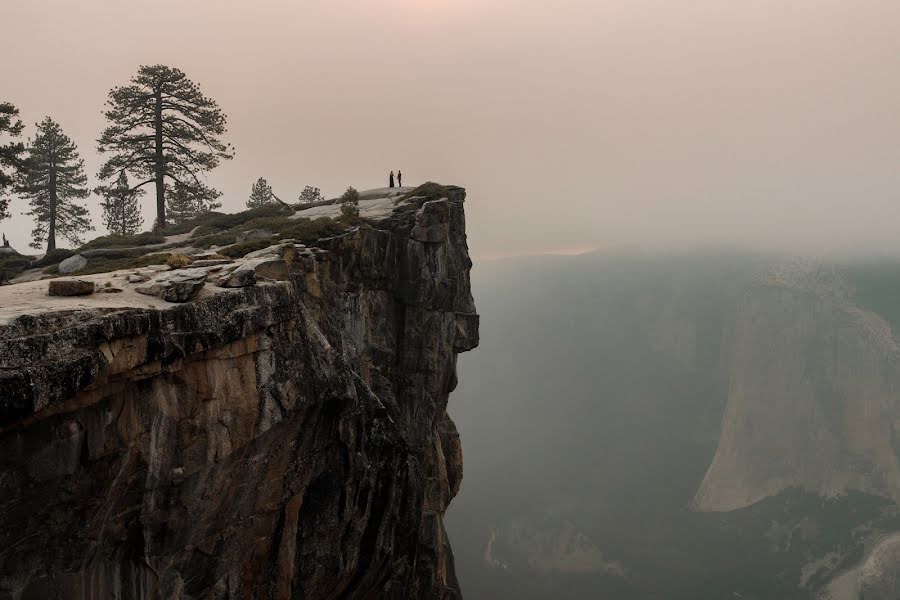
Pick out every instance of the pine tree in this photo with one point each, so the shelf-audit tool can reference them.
(163, 129)
(121, 211)
(350, 204)
(182, 206)
(10, 152)
(260, 194)
(53, 178)
(310, 194)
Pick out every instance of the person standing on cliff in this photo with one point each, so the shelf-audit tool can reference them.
(392, 179)
(399, 178)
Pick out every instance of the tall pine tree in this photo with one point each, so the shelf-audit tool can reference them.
(10, 152)
(121, 211)
(164, 130)
(260, 194)
(53, 178)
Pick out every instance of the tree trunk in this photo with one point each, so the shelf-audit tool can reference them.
(52, 197)
(159, 165)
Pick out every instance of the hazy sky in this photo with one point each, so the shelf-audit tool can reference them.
(573, 124)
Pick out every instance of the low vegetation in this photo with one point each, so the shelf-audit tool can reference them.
(124, 241)
(216, 221)
(430, 190)
(105, 264)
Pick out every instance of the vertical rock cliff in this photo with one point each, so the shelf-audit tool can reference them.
(283, 440)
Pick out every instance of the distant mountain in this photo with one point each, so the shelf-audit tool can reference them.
(696, 426)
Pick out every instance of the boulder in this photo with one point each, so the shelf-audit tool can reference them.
(136, 278)
(243, 276)
(175, 286)
(71, 287)
(72, 264)
(286, 250)
(267, 267)
(111, 290)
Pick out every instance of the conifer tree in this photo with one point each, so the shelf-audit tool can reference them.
(310, 194)
(53, 179)
(163, 131)
(121, 211)
(10, 152)
(260, 194)
(182, 205)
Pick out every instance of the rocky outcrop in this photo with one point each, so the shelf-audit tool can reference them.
(812, 394)
(287, 439)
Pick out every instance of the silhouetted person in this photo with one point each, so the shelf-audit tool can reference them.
(399, 179)
(392, 179)
(5, 241)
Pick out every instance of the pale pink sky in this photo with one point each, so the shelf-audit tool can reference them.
(572, 123)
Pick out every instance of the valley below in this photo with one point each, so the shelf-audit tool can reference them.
(700, 426)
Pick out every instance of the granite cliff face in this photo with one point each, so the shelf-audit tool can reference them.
(284, 440)
(812, 397)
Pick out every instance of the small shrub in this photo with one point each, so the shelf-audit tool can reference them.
(54, 257)
(179, 261)
(10, 266)
(430, 190)
(350, 204)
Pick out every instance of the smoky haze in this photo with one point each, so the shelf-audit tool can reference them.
(573, 124)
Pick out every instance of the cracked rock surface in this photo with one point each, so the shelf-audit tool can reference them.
(283, 439)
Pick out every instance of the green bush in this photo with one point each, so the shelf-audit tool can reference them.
(430, 190)
(124, 241)
(54, 257)
(216, 221)
(12, 265)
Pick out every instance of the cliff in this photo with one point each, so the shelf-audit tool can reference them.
(287, 439)
(812, 393)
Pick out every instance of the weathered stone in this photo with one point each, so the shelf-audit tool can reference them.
(72, 264)
(278, 441)
(285, 250)
(111, 290)
(269, 268)
(243, 276)
(136, 278)
(254, 234)
(432, 222)
(71, 287)
(175, 286)
(211, 262)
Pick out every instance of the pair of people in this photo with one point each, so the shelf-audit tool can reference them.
(399, 179)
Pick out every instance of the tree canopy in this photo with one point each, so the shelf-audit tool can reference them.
(121, 211)
(163, 131)
(10, 152)
(260, 194)
(310, 194)
(53, 178)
